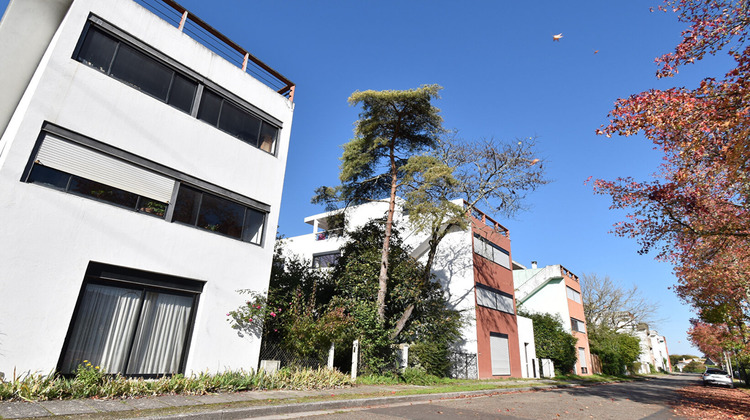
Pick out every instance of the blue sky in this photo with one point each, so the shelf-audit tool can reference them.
(503, 77)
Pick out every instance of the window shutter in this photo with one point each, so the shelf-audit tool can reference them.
(86, 163)
(485, 298)
(504, 303)
(500, 354)
(582, 356)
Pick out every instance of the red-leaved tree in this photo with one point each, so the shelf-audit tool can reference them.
(696, 212)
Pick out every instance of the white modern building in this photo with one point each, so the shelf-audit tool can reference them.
(141, 176)
(474, 268)
(555, 290)
(654, 352)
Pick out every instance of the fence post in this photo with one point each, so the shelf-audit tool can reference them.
(183, 20)
(355, 358)
(404, 356)
(330, 356)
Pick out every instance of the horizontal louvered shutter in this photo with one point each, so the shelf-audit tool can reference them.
(86, 163)
(485, 298)
(505, 303)
(500, 354)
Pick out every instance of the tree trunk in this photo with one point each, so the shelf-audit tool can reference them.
(383, 277)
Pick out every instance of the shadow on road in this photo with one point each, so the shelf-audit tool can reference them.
(655, 390)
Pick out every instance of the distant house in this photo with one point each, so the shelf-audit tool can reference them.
(141, 176)
(474, 268)
(654, 353)
(555, 290)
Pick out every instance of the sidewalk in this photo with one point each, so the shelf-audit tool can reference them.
(247, 404)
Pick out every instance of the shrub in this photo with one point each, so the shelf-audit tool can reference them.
(433, 357)
(417, 376)
(90, 381)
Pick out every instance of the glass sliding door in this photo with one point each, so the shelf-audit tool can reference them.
(161, 334)
(129, 329)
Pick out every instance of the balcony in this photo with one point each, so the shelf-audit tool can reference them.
(173, 13)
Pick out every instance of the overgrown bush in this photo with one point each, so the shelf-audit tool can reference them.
(433, 357)
(417, 376)
(553, 342)
(615, 350)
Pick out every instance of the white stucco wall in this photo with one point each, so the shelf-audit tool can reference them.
(49, 236)
(529, 362)
(551, 299)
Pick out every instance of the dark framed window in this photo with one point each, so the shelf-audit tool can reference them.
(326, 260)
(78, 165)
(83, 187)
(230, 118)
(120, 59)
(131, 322)
(219, 215)
(491, 251)
(131, 66)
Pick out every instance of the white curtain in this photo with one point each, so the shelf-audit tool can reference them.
(161, 334)
(103, 328)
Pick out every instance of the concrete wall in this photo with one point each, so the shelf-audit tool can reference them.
(526, 348)
(50, 236)
(25, 32)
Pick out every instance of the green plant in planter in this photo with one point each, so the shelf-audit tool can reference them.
(154, 207)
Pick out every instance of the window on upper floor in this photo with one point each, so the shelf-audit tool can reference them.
(78, 170)
(573, 294)
(326, 260)
(230, 118)
(125, 63)
(219, 215)
(103, 50)
(577, 325)
(491, 251)
(494, 299)
(71, 167)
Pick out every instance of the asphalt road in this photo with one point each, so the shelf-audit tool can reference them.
(628, 400)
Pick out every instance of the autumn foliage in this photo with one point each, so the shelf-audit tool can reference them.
(696, 212)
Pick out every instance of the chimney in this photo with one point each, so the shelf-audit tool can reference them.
(533, 264)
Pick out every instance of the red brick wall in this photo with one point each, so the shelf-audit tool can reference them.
(489, 320)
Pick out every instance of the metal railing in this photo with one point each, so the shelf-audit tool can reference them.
(172, 12)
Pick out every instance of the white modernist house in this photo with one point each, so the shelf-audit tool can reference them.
(141, 176)
(654, 352)
(474, 272)
(555, 290)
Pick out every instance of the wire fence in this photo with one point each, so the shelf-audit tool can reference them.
(274, 351)
(463, 365)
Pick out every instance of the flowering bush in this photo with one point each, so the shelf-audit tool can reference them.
(250, 317)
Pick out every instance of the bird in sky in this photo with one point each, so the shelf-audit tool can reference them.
(557, 37)
(596, 51)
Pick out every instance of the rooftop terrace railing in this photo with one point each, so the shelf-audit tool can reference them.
(172, 12)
